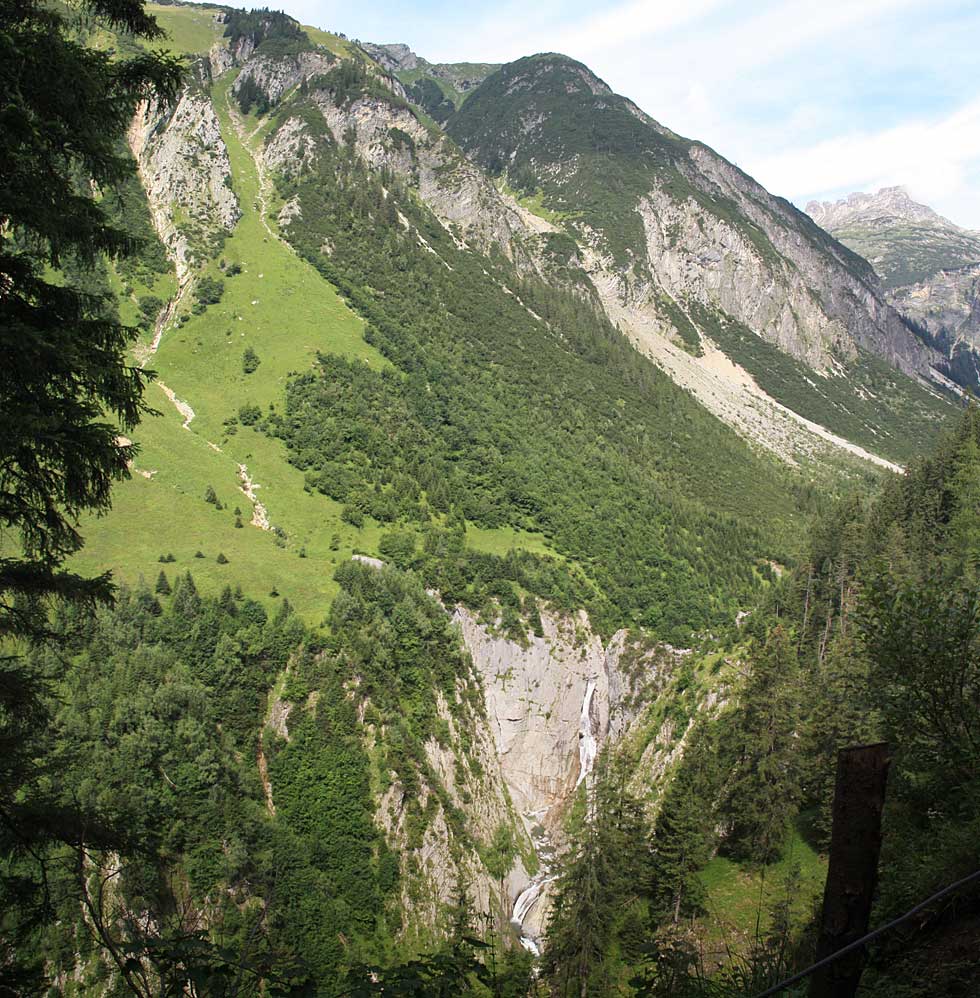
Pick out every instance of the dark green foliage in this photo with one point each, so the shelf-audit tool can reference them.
(272, 30)
(210, 496)
(595, 908)
(126, 205)
(208, 291)
(156, 712)
(685, 831)
(349, 80)
(249, 414)
(841, 714)
(428, 95)
(221, 559)
(250, 94)
(556, 425)
(163, 586)
(250, 364)
(762, 787)
(66, 387)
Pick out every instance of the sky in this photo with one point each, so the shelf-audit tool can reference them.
(813, 98)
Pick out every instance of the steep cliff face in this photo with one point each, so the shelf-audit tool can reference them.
(947, 304)
(273, 75)
(387, 135)
(553, 703)
(184, 166)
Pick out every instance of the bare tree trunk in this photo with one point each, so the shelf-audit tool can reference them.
(853, 871)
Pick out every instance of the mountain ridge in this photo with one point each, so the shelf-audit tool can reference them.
(929, 265)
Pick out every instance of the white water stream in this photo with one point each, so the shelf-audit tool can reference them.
(529, 897)
(587, 745)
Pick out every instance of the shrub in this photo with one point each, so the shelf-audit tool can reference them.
(250, 360)
(249, 414)
(209, 291)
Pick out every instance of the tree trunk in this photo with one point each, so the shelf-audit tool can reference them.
(853, 871)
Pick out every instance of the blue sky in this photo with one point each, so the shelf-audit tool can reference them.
(814, 98)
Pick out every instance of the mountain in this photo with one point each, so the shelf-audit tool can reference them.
(437, 88)
(490, 416)
(906, 242)
(929, 266)
(693, 259)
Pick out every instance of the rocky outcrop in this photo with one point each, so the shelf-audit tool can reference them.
(441, 861)
(275, 75)
(290, 150)
(220, 58)
(184, 166)
(552, 702)
(387, 135)
(461, 76)
(906, 242)
(948, 303)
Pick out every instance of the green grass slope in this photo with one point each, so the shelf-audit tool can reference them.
(286, 312)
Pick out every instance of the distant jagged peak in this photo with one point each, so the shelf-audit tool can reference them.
(887, 206)
(394, 56)
(397, 57)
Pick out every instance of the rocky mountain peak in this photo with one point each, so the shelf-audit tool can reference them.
(395, 57)
(905, 241)
(890, 205)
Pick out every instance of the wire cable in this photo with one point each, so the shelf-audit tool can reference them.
(867, 938)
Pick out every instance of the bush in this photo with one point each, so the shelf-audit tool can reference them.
(249, 414)
(250, 361)
(209, 291)
(221, 559)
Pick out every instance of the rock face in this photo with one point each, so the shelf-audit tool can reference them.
(184, 166)
(274, 75)
(929, 266)
(948, 306)
(387, 135)
(552, 703)
(471, 780)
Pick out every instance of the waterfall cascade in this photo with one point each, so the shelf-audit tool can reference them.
(529, 897)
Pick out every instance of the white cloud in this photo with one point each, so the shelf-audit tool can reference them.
(935, 159)
(629, 23)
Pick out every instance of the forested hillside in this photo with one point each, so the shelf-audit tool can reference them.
(394, 597)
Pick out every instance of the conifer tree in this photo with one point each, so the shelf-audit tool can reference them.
(684, 831)
(163, 586)
(763, 787)
(67, 390)
(601, 877)
(839, 714)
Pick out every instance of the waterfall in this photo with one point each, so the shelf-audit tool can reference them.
(528, 898)
(587, 746)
